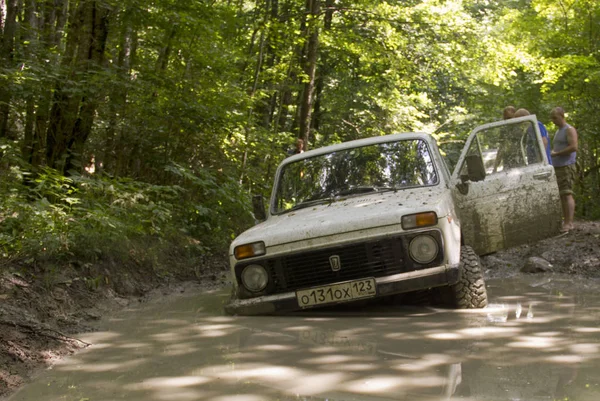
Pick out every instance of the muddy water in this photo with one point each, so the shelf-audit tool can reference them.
(539, 340)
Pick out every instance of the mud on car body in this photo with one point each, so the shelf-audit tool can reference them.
(384, 215)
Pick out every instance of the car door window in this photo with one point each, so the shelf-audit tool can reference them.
(505, 147)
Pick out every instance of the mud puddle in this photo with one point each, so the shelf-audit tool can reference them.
(538, 340)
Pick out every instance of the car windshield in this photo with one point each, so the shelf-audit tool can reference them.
(388, 166)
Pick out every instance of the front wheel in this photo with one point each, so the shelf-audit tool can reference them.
(469, 292)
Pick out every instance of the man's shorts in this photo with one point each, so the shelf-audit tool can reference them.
(565, 176)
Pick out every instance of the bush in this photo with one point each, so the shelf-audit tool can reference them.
(48, 216)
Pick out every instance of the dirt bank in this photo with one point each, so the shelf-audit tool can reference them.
(40, 311)
(577, 253)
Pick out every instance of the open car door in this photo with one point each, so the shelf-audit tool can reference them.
(504, 188)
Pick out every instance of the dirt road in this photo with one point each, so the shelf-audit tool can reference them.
(539, 340)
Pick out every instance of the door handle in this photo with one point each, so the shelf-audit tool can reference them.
(542, 176)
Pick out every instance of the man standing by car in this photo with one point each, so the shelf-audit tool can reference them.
(508, 112)
(505, 156)
(531, 144)
(298, 149)
(564, 153)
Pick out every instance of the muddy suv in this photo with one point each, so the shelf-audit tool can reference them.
(384, 215)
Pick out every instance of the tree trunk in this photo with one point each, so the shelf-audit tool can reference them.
(163, 58)
(281, 120)
(62, 7)
(94, 51)
(46, 27)
(73, 109)
(310, 68)
(7, 46)
(268, 112)
(28, 135)
(2, 14)
(323, 68)
(30, 20)
(255, 78)
(122, 148)
(107, 159)
(61, 119)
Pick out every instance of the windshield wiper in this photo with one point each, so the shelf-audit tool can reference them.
(364, 190)
(309, 203)
(356, 190)
(346, 192)
(386, 189)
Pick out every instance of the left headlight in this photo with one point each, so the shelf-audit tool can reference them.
(423, 249)
(255, 278)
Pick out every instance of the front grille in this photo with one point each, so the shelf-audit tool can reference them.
(377, 258)
(372, 259)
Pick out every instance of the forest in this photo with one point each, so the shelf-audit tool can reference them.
(133, 127)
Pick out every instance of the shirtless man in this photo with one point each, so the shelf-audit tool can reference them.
(564, 153)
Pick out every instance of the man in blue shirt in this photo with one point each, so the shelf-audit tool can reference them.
(546, 140)
(543, 131)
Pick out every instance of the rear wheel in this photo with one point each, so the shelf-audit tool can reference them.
(469, 292)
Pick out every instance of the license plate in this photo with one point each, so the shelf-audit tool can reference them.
(337, 292)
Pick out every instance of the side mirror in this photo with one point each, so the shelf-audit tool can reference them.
(258, 206)
(475, 168)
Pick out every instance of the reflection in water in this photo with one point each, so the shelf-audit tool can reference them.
(499, 313)
(531, 344)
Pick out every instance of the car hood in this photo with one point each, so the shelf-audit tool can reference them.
(346, 215)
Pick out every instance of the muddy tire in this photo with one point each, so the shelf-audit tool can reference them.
(469, 292)
(232, 297)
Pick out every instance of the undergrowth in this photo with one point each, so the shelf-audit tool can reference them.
(47, 217)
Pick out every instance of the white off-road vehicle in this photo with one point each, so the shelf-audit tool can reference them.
(384, 215)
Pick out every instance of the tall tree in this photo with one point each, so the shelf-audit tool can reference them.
(313, 9)
(76, 95)
(7, 47)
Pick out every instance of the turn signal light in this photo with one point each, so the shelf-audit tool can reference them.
(419, 220)
(249, 250)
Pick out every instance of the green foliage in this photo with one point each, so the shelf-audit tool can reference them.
(53, 217)
(194, 104)
(213, 207)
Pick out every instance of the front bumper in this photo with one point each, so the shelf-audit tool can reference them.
(389, 285)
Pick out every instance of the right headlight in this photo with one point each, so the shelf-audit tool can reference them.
(255, 278)
(423, 249)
